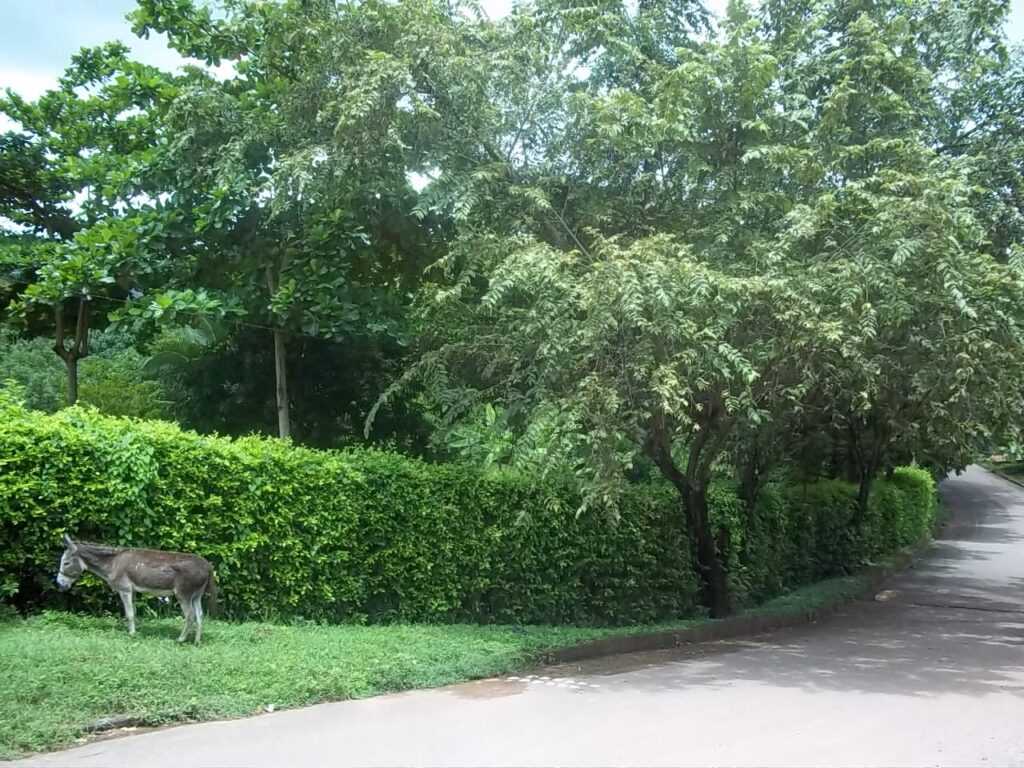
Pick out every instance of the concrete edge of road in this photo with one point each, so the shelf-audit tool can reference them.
(999, 473)
(739, 626)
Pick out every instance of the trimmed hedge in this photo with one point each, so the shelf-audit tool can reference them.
(799, 534)
(373, 536)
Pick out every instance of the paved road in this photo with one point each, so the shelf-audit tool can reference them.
(934, 675)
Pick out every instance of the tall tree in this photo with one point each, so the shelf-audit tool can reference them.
(690, 241)
(295, 171)
(70, 187)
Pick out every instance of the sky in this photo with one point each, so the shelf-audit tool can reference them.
(37, 37)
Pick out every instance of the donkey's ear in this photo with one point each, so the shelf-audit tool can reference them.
(68, 542)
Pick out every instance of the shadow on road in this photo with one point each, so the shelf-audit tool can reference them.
(952, 624)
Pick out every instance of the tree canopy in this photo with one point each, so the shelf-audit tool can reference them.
(784, 241)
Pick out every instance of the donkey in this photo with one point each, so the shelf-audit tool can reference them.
(128, 571)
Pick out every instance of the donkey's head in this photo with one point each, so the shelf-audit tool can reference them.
(71, 565)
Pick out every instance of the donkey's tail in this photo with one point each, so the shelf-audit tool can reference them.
(212, 604)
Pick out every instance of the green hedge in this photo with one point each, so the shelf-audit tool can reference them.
(374, 536)
(799, 534)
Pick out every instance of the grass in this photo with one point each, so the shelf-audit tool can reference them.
(820, 595)
(1014, 469)
(59, 672)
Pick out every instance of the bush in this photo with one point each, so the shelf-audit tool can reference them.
(114, 385)
(799, 534)
(109, 379)
(374, 536)
(33, 365)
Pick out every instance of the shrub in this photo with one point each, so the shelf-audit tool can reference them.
(799, 534)
(33, 365)
(373, 536)
(114, 385)
(110, 379)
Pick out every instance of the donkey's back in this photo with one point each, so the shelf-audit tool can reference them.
(160, 571)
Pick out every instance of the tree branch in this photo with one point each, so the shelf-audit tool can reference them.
(659, 450)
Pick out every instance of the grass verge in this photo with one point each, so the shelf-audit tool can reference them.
(61, 672)
(1011, 469)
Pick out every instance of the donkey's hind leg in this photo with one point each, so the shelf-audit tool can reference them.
(129, 608)
(186, 609)
(197, 614)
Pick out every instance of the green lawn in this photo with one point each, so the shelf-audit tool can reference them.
(60, 672)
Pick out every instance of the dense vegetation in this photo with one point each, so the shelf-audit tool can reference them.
(367, 535)
(627, 242)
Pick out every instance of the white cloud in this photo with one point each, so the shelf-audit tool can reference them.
(28, 83)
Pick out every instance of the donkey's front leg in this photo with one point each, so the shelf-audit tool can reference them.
(129, 609)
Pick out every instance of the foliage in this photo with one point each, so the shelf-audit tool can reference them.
(114, 385)
(859, 161)
(685, 247)
(644, 348)
(372, 536)
(303, 219)
(787, 245)
(800, 533)
(888, 234)
(33, 366)
(219, 379)
(87, 226)
(112, 378)
(489, 438)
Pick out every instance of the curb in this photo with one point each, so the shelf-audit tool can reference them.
(722, 629)
(1003, 475)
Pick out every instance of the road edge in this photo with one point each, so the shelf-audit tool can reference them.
(754, 622)
(999, 473)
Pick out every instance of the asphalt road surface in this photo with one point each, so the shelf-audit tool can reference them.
(929, 674)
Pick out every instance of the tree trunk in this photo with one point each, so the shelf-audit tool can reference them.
(693, 493)
(715, 581)
(72, 365)
(79, 346)
(284, 426)
(864, 494)
(750, 480)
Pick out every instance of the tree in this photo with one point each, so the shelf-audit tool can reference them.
(761, 223)
(69, 177)
(889, 228)
(642, 341)
(295, 172)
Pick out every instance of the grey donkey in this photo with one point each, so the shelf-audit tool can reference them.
(128, 571)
